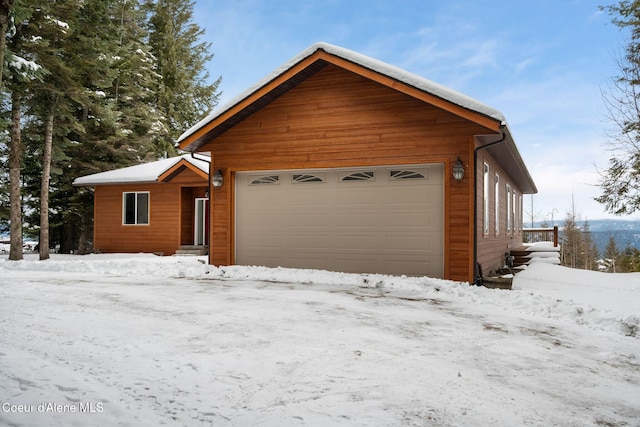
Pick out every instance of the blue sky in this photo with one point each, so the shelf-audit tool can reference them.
(543, 64)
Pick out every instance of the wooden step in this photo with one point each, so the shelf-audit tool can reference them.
(497, 282)
(192, 250)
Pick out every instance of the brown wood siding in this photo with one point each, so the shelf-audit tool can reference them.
(492, 247)
(339, 119)
(161, 235)
(187, 213)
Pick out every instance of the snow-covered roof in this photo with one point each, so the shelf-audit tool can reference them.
(146, 172)
(378, 66)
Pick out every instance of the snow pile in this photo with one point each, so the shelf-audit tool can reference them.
(147, 340)
(543, 252)
(598, 298)
(542, 247)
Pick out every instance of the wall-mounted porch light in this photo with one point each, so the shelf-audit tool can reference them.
(217, 178)
(458, 170)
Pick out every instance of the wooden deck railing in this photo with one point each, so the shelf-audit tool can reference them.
(535, 235)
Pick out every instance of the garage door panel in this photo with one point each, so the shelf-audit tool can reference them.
(356, 218)
(303, 241)
(267, 243)
(356, 242)
(400, 266)
(307, 219)
(378, 224)
(266, 219)
(412, 244)
(411, 220)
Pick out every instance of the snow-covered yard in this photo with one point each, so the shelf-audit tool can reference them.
(144, 340)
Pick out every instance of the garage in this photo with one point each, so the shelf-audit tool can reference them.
(384, 219)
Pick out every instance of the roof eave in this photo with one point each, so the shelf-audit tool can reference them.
(118, 182)
(511, 161)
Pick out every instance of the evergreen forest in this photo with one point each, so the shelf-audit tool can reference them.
(90, 86)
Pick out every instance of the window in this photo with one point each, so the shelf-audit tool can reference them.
(514, 207)
(486, 198)
(520, 214)
(408, 174)
(135, 208)
(264, 180)
(509, 208)
(356, 176)
(298, 178)
(497, 204)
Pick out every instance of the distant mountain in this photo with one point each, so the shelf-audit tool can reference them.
(625, 232)
(613, 225)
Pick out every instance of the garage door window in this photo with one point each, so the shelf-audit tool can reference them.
(301, 178)
(408, 174)
(357, 176)
(264, 180)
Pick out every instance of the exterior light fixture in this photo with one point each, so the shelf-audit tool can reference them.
(458, 170)
(217, 178)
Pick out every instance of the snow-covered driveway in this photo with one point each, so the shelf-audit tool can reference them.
(157, 341)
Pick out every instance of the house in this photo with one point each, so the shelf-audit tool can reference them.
(339, 161)
(152, 207)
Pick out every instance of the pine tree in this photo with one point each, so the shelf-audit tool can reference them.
(629, 260)
(5, 11)
(571, 242)
(620, 180)
(183, 94)
(101, 102)
(39, 36)
(15, 197)
(116, 124)
(611, 255)
(5, 206)
(22, 71)
(589, 252)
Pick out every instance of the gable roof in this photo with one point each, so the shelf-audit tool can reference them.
(318, 56)
(309, 62)
(158, 171)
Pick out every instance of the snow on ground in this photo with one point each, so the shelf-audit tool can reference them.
(144, 340)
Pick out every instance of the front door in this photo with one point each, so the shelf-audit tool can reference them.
(201, 222)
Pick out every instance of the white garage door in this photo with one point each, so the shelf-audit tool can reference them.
(365, 220)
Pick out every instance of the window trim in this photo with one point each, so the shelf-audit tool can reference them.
(509, 210)
(520, 214)
(486, 198)
(497, 203)
(514, 210)
(136, 216)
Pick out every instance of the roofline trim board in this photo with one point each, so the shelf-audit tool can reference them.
(179, 167)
